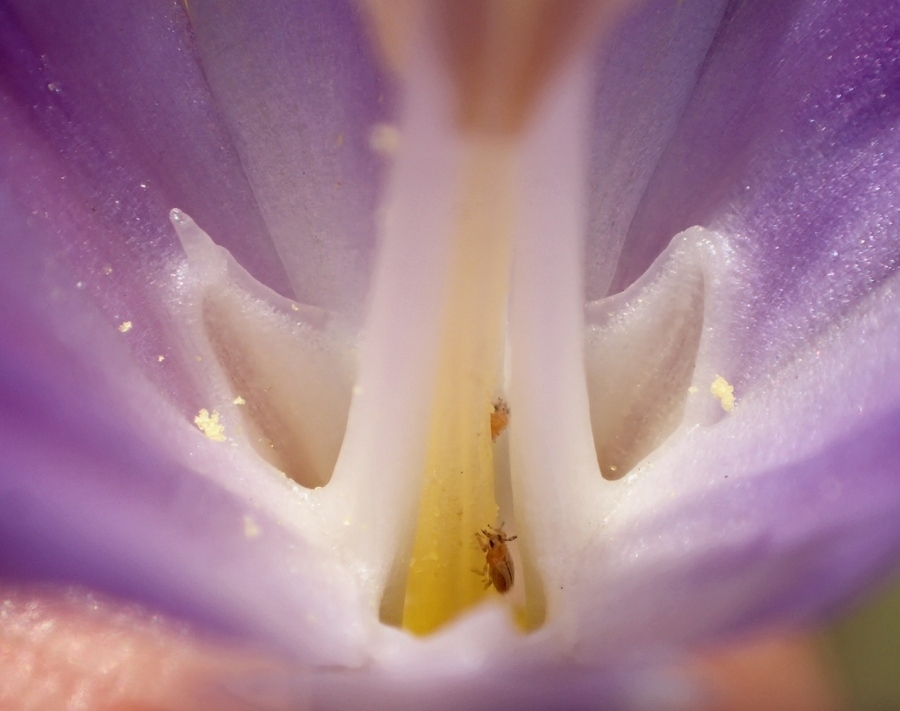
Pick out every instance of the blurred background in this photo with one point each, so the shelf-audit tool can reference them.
(865, 645)
(852, 664)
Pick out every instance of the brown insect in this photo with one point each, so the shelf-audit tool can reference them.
(499, 418)
(498, 565)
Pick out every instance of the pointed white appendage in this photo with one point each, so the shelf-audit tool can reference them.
(654, 351)
(302, 368)
(579, 412)
(277, 377)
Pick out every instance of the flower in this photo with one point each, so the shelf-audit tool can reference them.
(773, 126)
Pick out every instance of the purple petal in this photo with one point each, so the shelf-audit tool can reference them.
(102, 144)
(299, 90)
(118, 97)
(789, 146)
(788, 140)
(96, 487)
(647, 72)
(775, 512)
(77, 151)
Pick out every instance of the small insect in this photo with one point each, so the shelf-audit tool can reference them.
(499, 418)
(498, 565)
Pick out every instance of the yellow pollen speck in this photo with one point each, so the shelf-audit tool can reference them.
(294, 307)
(251, 529)
(198, 358)
(125, 326)
(209, 425)
(239, 401)
(160, 358)
(693, 390)
(107, 270)
(725, 392)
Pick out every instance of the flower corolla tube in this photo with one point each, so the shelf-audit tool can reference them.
(261, 297)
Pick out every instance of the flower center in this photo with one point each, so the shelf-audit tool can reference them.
(496, 58)
(458, 491)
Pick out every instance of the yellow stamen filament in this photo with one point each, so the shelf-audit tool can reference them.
(458, 493)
